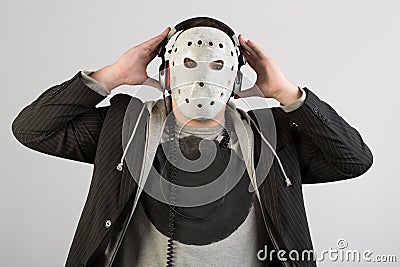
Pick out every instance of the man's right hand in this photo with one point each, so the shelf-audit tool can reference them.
(131, 67)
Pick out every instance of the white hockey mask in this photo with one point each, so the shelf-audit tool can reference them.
(203, 66)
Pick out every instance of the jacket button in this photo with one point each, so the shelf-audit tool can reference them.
(56, 90)
(107, 224)
(64, 84)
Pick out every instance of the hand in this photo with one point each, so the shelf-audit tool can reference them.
(131, 67)
(270, 78)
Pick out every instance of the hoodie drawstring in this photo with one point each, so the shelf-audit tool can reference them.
(287, 180)
(120, 164)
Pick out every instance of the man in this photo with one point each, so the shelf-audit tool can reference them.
(141, 209)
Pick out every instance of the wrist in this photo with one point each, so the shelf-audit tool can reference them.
(289, 95)
(108, 77)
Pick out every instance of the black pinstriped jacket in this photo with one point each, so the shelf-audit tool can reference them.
(315, 144)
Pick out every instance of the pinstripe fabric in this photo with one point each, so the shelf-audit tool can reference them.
(315, 144)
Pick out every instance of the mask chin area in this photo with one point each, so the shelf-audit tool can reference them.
(199, 108)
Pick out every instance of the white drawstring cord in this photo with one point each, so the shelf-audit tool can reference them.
(287, 180)
(120, 164)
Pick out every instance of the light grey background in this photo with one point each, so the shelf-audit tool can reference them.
(345, 51)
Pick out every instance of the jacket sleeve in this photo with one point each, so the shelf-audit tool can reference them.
(63, 121)
(329, 149)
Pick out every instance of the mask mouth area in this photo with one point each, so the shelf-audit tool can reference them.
(195, 91)
(204, 107)
(204, 102)
(200, 84)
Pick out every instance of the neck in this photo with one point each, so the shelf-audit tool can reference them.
(200, 123)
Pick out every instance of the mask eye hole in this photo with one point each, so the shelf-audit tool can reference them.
(189, 63)
(216, 65)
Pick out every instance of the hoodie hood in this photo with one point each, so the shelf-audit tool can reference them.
(155, 125)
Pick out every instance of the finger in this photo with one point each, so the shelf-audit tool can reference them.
(248, 50)
(154, 42)
(257, 49)
(253, 62)
(153, 83)
(160, 37)
(250, 58)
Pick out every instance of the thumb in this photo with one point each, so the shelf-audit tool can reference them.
(253, 91)
(153, 83)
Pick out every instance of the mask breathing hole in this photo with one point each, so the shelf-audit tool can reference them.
(210, 43)
(221, 45)
(201, 84)
(189, 63)
(189, 43)
(199, 105)
(199, 42)
(186, 100)
(212, 103)
(222, 94)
